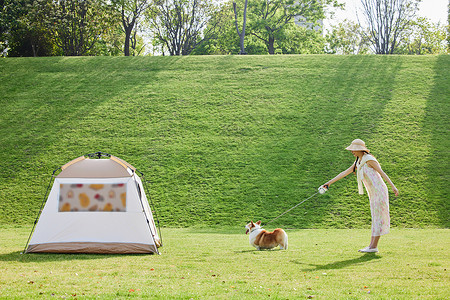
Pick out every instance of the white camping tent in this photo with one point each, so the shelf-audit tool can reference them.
(96, 206)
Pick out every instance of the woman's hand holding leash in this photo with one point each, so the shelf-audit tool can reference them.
(323, 188)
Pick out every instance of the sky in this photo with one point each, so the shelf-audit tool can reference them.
(435, 10)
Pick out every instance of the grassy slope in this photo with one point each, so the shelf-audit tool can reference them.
(225, 139)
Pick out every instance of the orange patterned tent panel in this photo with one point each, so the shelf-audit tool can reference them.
(93, 197)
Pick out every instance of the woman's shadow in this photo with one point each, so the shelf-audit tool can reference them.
(339, 264)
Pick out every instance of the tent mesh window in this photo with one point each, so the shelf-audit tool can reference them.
(93, 197)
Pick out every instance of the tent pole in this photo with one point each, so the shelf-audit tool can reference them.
(151, 203)
(143, 210)
(40, 210)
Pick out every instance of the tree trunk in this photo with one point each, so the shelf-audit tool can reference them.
(243, 29)
(241, 44)
(242, 33)
(126, 47)
(270, 45)
(35, 49)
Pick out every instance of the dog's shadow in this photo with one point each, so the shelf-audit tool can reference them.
(258, 251)
(339, 264)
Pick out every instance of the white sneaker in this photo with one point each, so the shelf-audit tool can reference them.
(368, 250)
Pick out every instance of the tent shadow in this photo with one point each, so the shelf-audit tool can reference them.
(339, 264)
(53, 257)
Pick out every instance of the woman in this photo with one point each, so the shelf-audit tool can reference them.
(369, 173)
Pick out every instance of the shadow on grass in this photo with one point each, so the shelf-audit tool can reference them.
(436, 122)
(54, 257)
(254, 251)
(339, 264)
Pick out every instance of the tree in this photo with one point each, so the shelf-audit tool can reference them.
(347, 38)
(58, 27)
(423, 37)
(137, 42)
(270, 17)
(111, 42)
(181, 25)
(241, 33)
(300, 40)
(292, 39)
(5, 21)
(22, 30)
(448, 27)
(131, 11)
(386, 20)
(225, 40)
(77, 24)
(38, 34)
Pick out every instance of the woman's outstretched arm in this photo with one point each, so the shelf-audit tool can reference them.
(340, 176)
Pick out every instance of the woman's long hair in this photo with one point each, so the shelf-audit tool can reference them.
(356, 161)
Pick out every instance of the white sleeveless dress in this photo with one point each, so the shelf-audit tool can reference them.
(378, 195)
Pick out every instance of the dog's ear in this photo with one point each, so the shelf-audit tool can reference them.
(258, 223)
(252, 223)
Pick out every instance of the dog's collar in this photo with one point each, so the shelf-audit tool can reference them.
(254, 228)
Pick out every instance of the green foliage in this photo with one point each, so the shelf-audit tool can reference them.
(180, 26)
(269, 20)
(448, 27)
(420, 36)
(46, 28)
(220, 264)
(226, 40)
(347, 38)
(290, 39)
(77, 24)
(110, 43)
(225, 139)
(300, 40)
(423, 37)
(130, 15)
(228, 43)
(71, 25)
(23, 29)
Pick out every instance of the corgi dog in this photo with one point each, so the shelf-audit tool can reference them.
(262, 239)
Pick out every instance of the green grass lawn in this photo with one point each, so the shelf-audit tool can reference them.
(226, 139)
(220, 264)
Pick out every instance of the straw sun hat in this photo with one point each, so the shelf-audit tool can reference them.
(357, 145)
